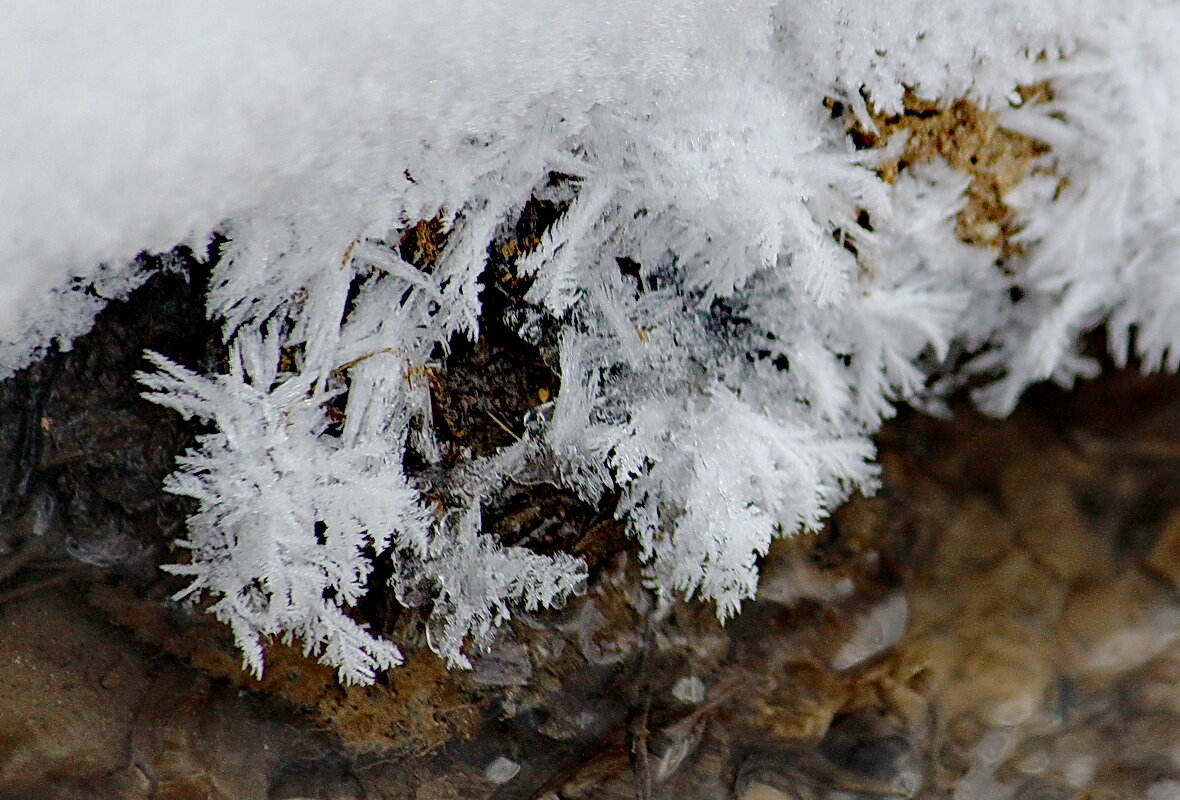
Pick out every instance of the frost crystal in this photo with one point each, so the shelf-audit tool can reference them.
(733, 297)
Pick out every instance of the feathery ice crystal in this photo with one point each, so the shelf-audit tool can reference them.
(780, 294)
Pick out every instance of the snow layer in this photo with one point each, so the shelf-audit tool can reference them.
(135, 125)
(727, 394)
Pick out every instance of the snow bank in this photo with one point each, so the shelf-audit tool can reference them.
(135, 125)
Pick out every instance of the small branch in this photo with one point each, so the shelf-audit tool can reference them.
(347, 260)
(27, 589)
(639, 735)
(503, 425)
(347, 365)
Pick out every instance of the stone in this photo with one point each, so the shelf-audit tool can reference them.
(764, 791)
(501, 770)
(874, 631)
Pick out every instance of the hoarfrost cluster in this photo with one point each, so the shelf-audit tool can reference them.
(783, 295)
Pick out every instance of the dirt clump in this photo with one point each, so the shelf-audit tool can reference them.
(971, 140)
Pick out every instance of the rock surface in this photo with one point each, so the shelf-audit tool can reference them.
(1001, 621)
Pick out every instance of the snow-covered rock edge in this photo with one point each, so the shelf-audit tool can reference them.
(728, 394)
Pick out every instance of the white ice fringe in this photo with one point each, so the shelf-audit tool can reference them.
(726, 394)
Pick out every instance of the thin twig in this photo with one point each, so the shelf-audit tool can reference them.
(639, 734)
(30, 588)
(503, 425)
(347, 260)
(347, 365)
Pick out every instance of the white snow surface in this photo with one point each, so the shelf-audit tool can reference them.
(135, 125)
(727, 395)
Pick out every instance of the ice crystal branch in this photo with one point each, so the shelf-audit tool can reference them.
(733, 297)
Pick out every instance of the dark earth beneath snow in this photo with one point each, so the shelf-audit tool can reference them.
(1002, 620)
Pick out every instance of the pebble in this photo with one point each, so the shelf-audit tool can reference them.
(874, 632)
(501, 770)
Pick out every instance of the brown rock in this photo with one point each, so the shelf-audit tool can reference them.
(1164, 557)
